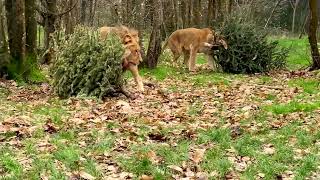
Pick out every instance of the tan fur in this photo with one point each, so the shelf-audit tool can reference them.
(121, 31)
(209, 50)
(202, 40)
(132, 56)
(189, 42)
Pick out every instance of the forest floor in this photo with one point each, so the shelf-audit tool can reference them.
(202, 126)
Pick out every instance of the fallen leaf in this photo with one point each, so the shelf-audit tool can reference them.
(176, 168)
(268, 149)
(201, 176)
(124, 107)
(145, 177)
(49, 127)
(86, 175)
(153, 157)
(157, 137)
(197, 156)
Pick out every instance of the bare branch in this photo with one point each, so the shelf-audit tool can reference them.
(47, 12)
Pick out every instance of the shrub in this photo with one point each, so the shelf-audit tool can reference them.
(249, 50)
(84, 64)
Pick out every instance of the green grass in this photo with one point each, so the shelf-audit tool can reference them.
(310, 86)
(215, 160)
(161, 72)
(69, 155)
(299, 55)
(143, 166)
(10, 165)
(220, 136)
(248, 146)
(307, 165)
(293, 106)
(174, 155)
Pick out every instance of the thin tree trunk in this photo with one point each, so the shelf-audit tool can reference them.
(94, 11)
(230, 4)
(218, 10)
(210, 11)
(116, 19)
(4, 59)
(303, 27)
(272, 12)
(50, 20)
(183, 13)
(90, 20)
(16, 30)
(154, 48)
(313, 34)
(294, 6)
(215, 11)
(68, 20)
(83, 11)
(3, 40)
(178, 20)
(190, 13)
(196, 13)
(31, 29)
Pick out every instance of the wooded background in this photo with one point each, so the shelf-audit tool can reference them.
(30, 22)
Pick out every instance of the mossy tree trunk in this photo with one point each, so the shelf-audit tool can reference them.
(4, 59)
(16, 30)
(313, 35)
(31, 29)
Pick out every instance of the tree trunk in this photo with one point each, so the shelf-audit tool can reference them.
(216, 9)
(31, 29)
(178, 20)
(115, 17)
(4, 59)
(90, 19)
(83, 11)
(294, 6)
(16, 30)
(140, 28)
(154, 48)
(50, 20)
(220, 10)
(190, 13)
(210, 12)
(313, 35)
(196, 13)
(272, 12)
(183, 13)
(93, 12)
(230, 4)
(69, 24)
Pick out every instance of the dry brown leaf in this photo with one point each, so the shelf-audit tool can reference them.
(268, 149)
(86, 175)
(176, 168)
(202, 176)
(153, 157)
(124, 107)
(145, 177)
(49, 127)
(197, 156)
(189, 173)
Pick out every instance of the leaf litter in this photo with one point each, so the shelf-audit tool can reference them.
(191, 108)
